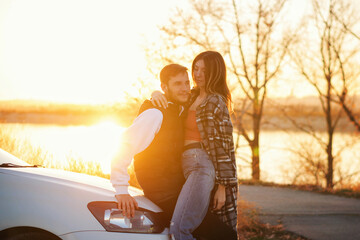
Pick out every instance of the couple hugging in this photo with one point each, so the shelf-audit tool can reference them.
(183, 152)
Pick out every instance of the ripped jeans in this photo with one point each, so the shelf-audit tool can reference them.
(193, 202)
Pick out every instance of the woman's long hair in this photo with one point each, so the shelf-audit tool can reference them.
(215, 75)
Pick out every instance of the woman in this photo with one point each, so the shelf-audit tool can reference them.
(208, 159)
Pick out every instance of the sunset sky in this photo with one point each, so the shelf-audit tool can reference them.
(81, 51)
(92, 52)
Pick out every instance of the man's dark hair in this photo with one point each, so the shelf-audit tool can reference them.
(171, 70)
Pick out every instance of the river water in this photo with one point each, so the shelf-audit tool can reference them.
(279, 150)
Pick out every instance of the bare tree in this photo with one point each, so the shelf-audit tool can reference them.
(250, 36)
(347, 25)
(327, 66)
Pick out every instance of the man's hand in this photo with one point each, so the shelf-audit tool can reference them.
(158, 99)
(127, 204)
(219, 197)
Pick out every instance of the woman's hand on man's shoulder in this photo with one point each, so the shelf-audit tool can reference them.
(158, 99)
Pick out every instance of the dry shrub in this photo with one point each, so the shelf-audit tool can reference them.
(247, 214)
(251, 228)
(77, 164)
(35, 155)
(23, 149)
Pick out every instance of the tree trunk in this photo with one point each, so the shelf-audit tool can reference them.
(255, 148)
(255, 159)
(330, 158)
(330, 132)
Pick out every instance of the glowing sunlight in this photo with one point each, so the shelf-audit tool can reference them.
(96, 143)
(74, 51)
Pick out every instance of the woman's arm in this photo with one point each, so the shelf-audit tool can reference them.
(222, 143)
(158, 99)
(219, 130)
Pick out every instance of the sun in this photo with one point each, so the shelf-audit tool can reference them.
(107, 124)
(108, 135)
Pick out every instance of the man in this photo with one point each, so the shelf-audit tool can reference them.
(155, 141)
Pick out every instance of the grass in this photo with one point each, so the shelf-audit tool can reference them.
(250, 227)
(351, 191)
(35, 155)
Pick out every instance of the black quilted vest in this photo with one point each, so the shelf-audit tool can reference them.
(158, 168)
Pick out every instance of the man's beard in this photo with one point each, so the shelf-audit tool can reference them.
(171, 98)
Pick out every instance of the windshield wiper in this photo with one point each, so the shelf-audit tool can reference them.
(11, 165)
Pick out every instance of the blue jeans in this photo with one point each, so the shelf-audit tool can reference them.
(193, 202)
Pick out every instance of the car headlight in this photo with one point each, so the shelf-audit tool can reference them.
(112, 219)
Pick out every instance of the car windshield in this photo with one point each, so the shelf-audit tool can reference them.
(8, 160)
(11, 165)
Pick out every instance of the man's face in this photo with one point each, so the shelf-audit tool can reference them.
(178, 88)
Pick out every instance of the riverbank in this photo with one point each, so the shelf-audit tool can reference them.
(311, 215)
(257, 222)
(351, 191)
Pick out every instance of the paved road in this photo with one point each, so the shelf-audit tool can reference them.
(312, 215)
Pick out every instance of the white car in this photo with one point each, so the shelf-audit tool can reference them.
(40, 203)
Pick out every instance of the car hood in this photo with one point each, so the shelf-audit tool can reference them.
(54, 200)
(99, 188)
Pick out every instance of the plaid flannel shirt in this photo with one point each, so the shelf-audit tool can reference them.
(214, 123)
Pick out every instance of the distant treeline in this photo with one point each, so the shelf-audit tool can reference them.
(65, 114)
(276, 113)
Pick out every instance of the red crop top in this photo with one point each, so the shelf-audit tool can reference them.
(191, 129)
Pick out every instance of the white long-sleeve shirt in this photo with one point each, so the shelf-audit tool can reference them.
(135, 139)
